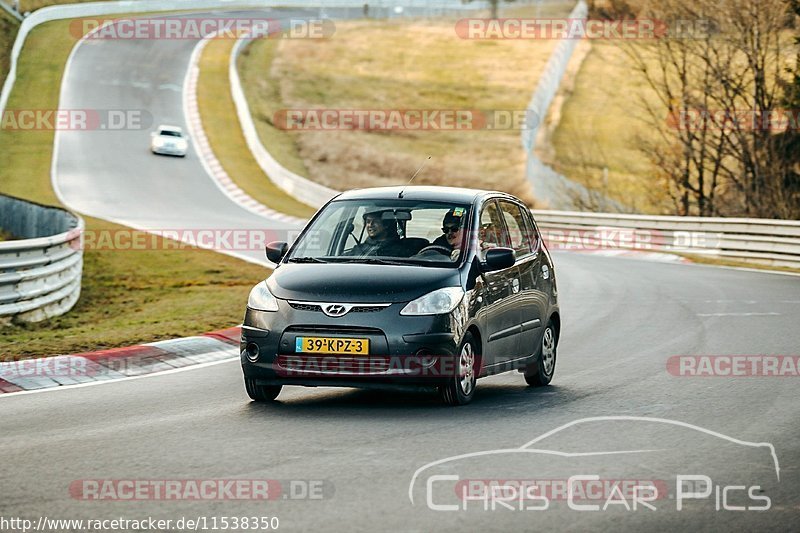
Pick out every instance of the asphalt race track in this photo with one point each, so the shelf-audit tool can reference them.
(622, 320)
(112, 174)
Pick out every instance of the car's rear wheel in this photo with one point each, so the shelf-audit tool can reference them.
(461, 388)
(261, 393)
(541, 372)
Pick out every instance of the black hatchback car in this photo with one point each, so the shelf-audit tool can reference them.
(414, 287)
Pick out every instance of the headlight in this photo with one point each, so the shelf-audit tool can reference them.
(435, 303)
(261, 299)
(182, 144)
(158, 142)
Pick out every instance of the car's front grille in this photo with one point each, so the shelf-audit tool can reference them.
(341, 330)
(366, 309)
(317, 307)
(305, 307)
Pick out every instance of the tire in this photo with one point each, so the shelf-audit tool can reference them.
(261, 393)
(461, 388)
(541, 372)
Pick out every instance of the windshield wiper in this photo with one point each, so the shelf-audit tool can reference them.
(371, 260)
(305, 260)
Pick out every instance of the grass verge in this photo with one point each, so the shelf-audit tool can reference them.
(597, 140)
(9, 27)
(264, 100)
(717, 261)
(604, 124)
(8, 32)
(396, 65)
(224, 133)
(32, 5)
(128, 297)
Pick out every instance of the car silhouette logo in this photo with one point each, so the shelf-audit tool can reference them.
(335, 310)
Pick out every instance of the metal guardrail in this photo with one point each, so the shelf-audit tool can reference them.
(553, 188)
(40, 274)
(307, 191)
(10, 10)
(771, 242)
(550, 187)
(763, 241)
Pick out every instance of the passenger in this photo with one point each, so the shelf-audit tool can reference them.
(453, 236)
(452, 226)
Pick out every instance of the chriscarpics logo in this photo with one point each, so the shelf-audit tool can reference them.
(611, 464)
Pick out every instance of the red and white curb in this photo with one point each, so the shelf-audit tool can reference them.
(118, 363)
(206, 154)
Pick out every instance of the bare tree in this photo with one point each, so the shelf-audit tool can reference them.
(717, 73)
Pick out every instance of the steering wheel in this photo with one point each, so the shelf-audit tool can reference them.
(436, 248)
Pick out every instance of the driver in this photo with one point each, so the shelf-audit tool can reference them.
(382, 237)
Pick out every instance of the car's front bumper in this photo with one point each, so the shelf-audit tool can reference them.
(404, 351)
(166, 150)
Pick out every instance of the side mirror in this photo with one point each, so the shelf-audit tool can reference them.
(276, 250)
(498, 259)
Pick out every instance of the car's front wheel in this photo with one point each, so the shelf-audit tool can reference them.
(461, 388)
(541, 372)
(261, 393)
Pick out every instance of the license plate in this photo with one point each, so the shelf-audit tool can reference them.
(331, 345)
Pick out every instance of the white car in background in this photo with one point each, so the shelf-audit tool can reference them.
(169, 140)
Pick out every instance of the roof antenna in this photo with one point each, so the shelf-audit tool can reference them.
(400, 194)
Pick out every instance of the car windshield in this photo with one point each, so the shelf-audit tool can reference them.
(170, 133)
(385, 232)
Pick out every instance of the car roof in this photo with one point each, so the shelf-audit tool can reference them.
(418, 192)
(166, 127)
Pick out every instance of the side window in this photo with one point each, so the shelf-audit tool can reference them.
(533, 235)
(492, 232)
(425, 223)
(517, 228)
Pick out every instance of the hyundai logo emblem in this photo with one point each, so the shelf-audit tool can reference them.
(336, 309)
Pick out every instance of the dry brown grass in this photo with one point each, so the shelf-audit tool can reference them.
(407, 65)
(127, 297)
(8, 32)
(600, 127)
(604, 124)
(221, 125)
